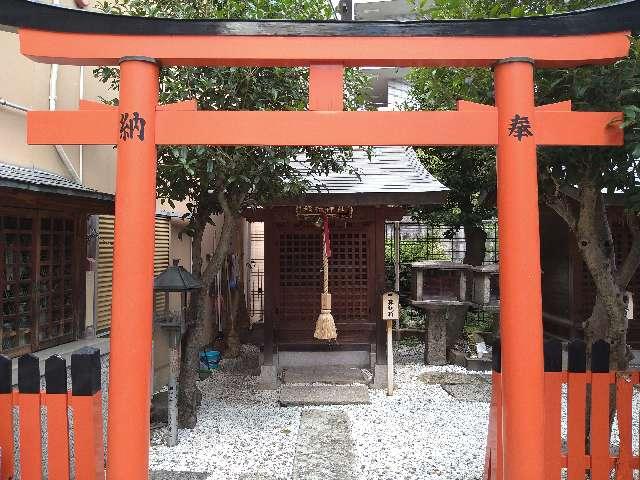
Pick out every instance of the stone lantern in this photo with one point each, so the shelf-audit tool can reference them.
(174, 279)
(438, 287)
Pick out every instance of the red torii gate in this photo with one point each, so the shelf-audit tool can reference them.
(139, 124)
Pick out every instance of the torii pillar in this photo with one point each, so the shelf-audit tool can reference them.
(520, 278)
(132, 307)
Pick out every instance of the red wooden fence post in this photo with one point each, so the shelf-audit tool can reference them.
(576, 408)
(87, 414)
(493, 469)
(624, 394)
(578, 459)
(55, 373)
(599, 432)
(29, 410)
(6, 419)
(552, 407)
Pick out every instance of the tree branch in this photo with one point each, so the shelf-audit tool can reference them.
(559, 203)
(230, 208)
(631, 262)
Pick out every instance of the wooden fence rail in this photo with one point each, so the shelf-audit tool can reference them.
(586, 451)
(85, 400)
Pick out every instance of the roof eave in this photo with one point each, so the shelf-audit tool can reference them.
(94, 195)
(366, 199)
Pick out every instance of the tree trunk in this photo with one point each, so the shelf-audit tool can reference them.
(188, 393)
(475, 245)
(595, 241)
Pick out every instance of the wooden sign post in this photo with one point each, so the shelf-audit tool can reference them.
(390, 312)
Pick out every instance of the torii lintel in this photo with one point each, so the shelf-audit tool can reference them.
(182, 124)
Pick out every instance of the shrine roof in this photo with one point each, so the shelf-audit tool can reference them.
(392, 176)
(616, 17)
(21, 178)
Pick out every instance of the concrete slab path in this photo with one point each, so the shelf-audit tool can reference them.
(324, 450)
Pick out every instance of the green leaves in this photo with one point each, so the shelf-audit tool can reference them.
(470, 171)
(249, 175)
(631, 115)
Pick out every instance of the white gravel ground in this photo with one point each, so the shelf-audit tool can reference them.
(419, 433)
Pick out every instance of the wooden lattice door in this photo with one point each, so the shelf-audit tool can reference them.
(55, 281)
(350, 283)
(17, 275)
(37, 264)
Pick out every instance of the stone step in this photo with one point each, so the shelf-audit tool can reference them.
(303, 395)
(332, 375)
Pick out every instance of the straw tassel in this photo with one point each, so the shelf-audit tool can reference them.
(325, 326)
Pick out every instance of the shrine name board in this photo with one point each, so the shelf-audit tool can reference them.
(390, 306)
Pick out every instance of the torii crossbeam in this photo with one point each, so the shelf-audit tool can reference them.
(183, 125)
(141, 46)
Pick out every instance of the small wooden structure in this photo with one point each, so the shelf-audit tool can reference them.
(293, 260)
(43, 257)
(568, 291)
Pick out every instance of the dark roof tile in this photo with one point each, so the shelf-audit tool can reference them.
(13, 176)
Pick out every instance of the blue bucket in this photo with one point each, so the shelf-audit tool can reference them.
(209, 359)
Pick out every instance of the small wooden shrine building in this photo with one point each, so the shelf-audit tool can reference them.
(568, 291)
(357, 207)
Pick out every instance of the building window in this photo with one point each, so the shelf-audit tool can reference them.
(37, 265)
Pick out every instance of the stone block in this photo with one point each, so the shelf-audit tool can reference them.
(268, 377)
(435, 342)
(380, 376)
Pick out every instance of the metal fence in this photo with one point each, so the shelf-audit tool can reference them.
(256, 294)
(422, 241)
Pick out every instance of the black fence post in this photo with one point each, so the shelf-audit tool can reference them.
(600, 351)
(577, 356)
(496, 356)
(552, 356)
(55, 374)
(85, 372)
(28, 374)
